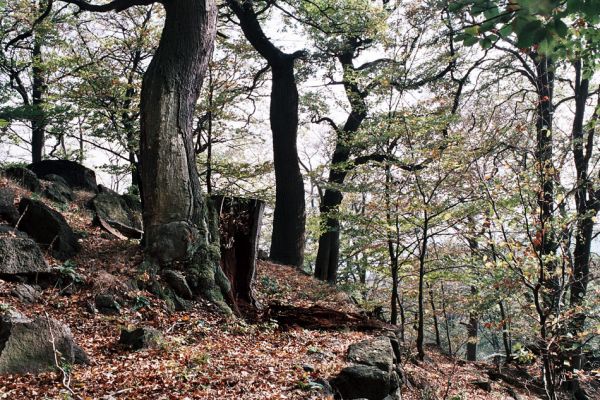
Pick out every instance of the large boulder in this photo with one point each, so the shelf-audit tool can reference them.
(8, 211)
(374, 374)
(19, 255)
(31, 345)
(24, 178)
(113, 209)
(75, 174)
(48, 228)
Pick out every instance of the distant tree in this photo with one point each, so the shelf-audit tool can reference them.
(288, 236)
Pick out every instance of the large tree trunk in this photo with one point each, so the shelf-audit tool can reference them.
(179, 229)
(287, 241)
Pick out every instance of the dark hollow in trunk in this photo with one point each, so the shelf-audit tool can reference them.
(240, 221)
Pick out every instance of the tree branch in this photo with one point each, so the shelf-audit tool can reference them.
(115, 5)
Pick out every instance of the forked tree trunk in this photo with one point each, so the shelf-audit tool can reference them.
(179, 229)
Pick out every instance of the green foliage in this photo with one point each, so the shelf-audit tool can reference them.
(551, 27)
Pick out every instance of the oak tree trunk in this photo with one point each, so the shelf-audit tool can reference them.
(287, 241)
(180, 232)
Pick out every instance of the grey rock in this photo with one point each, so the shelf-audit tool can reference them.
(376, 352)
(28, 345)
(19, 255)
(24, 177)
(26, 293)
(59, 192)
(48, 228)
(362, 381)
(483, 385)
(308, 368)
(113, 209)
(8, 211)
(106, 304)
(140, 338)
(178, 283)
(75, 174)
(57, 179)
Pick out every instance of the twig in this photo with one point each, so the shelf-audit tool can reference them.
(66, 377)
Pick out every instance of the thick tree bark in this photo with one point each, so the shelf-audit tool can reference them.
(287, 241)
(180, 232)
(544, 150)
(328, 254)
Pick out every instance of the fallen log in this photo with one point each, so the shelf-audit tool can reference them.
(322, 318)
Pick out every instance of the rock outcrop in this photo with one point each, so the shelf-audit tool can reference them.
(8, 211)
(20, 255)
(75, 174)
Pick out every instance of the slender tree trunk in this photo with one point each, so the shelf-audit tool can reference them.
(421, 302)
(436, 326)
(446, 320)
(505, 332)
(587, 206)
(287, 242)
(328, 254)
(472, 329)
(402, 319)
(38, 119)
(178, 226)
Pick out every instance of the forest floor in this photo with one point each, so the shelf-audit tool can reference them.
(204, 355)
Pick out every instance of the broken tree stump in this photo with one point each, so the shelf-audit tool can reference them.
(240, 221)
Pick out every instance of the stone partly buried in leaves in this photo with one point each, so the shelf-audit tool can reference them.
(48, 228)
(374, 374)
(140, 338)
(31, 345)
